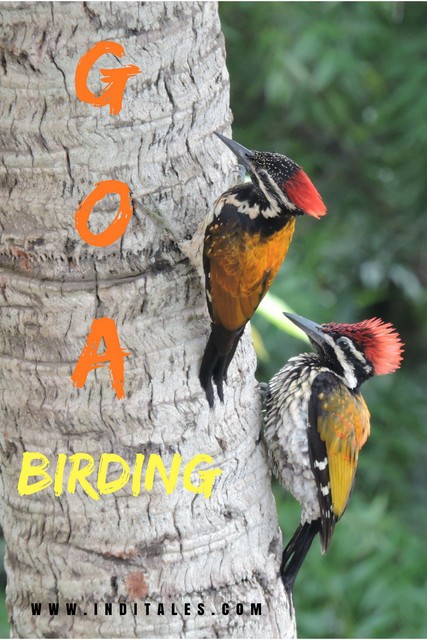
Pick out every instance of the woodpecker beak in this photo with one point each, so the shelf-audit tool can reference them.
(311, 329)
(241, 153)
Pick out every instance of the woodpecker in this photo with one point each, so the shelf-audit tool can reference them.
(317, 422)
(246, 238)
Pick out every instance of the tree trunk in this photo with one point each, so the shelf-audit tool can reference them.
(154, 547)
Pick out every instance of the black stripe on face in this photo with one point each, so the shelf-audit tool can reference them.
(354, 356)
(272, 172)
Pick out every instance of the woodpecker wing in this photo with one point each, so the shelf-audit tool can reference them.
(338, 428)
(242, 255)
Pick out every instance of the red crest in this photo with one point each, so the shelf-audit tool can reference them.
(380, 342)
(302, 192)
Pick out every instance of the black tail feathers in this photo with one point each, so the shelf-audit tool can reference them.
(218, 354)
(296, 551)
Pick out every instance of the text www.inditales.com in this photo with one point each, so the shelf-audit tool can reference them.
(145, 608)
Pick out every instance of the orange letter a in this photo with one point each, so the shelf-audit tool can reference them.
(102, 328)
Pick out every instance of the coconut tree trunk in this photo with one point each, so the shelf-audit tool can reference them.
(172, 551)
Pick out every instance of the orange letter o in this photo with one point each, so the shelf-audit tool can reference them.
(118, 226)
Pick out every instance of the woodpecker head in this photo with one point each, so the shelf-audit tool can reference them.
(282, 181)
(355, 351)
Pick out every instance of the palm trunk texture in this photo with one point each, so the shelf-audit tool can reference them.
(166, 549)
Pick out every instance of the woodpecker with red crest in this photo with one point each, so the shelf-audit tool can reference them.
(317, 422)
(247, 236)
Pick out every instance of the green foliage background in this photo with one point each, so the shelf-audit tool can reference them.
(342, 89)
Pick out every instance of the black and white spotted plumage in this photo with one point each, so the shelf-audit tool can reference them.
(294, 446)
(317, 422)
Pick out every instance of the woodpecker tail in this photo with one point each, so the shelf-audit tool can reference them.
(218, 354)
(296, 551)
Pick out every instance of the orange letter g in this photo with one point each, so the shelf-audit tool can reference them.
(115, 79)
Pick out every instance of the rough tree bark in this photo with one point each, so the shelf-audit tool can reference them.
(178, 548)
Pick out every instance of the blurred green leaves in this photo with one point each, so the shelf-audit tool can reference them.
(272, 309)
(340, 88)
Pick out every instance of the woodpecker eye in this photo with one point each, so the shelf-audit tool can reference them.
(342, 342)
(352, 352)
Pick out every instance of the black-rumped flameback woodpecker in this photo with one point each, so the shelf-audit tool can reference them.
(317, 422)
(246, 239)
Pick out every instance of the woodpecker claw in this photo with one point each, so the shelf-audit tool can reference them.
(264, 390)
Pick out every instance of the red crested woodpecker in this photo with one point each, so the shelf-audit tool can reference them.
(246, 238)
(317, 422)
